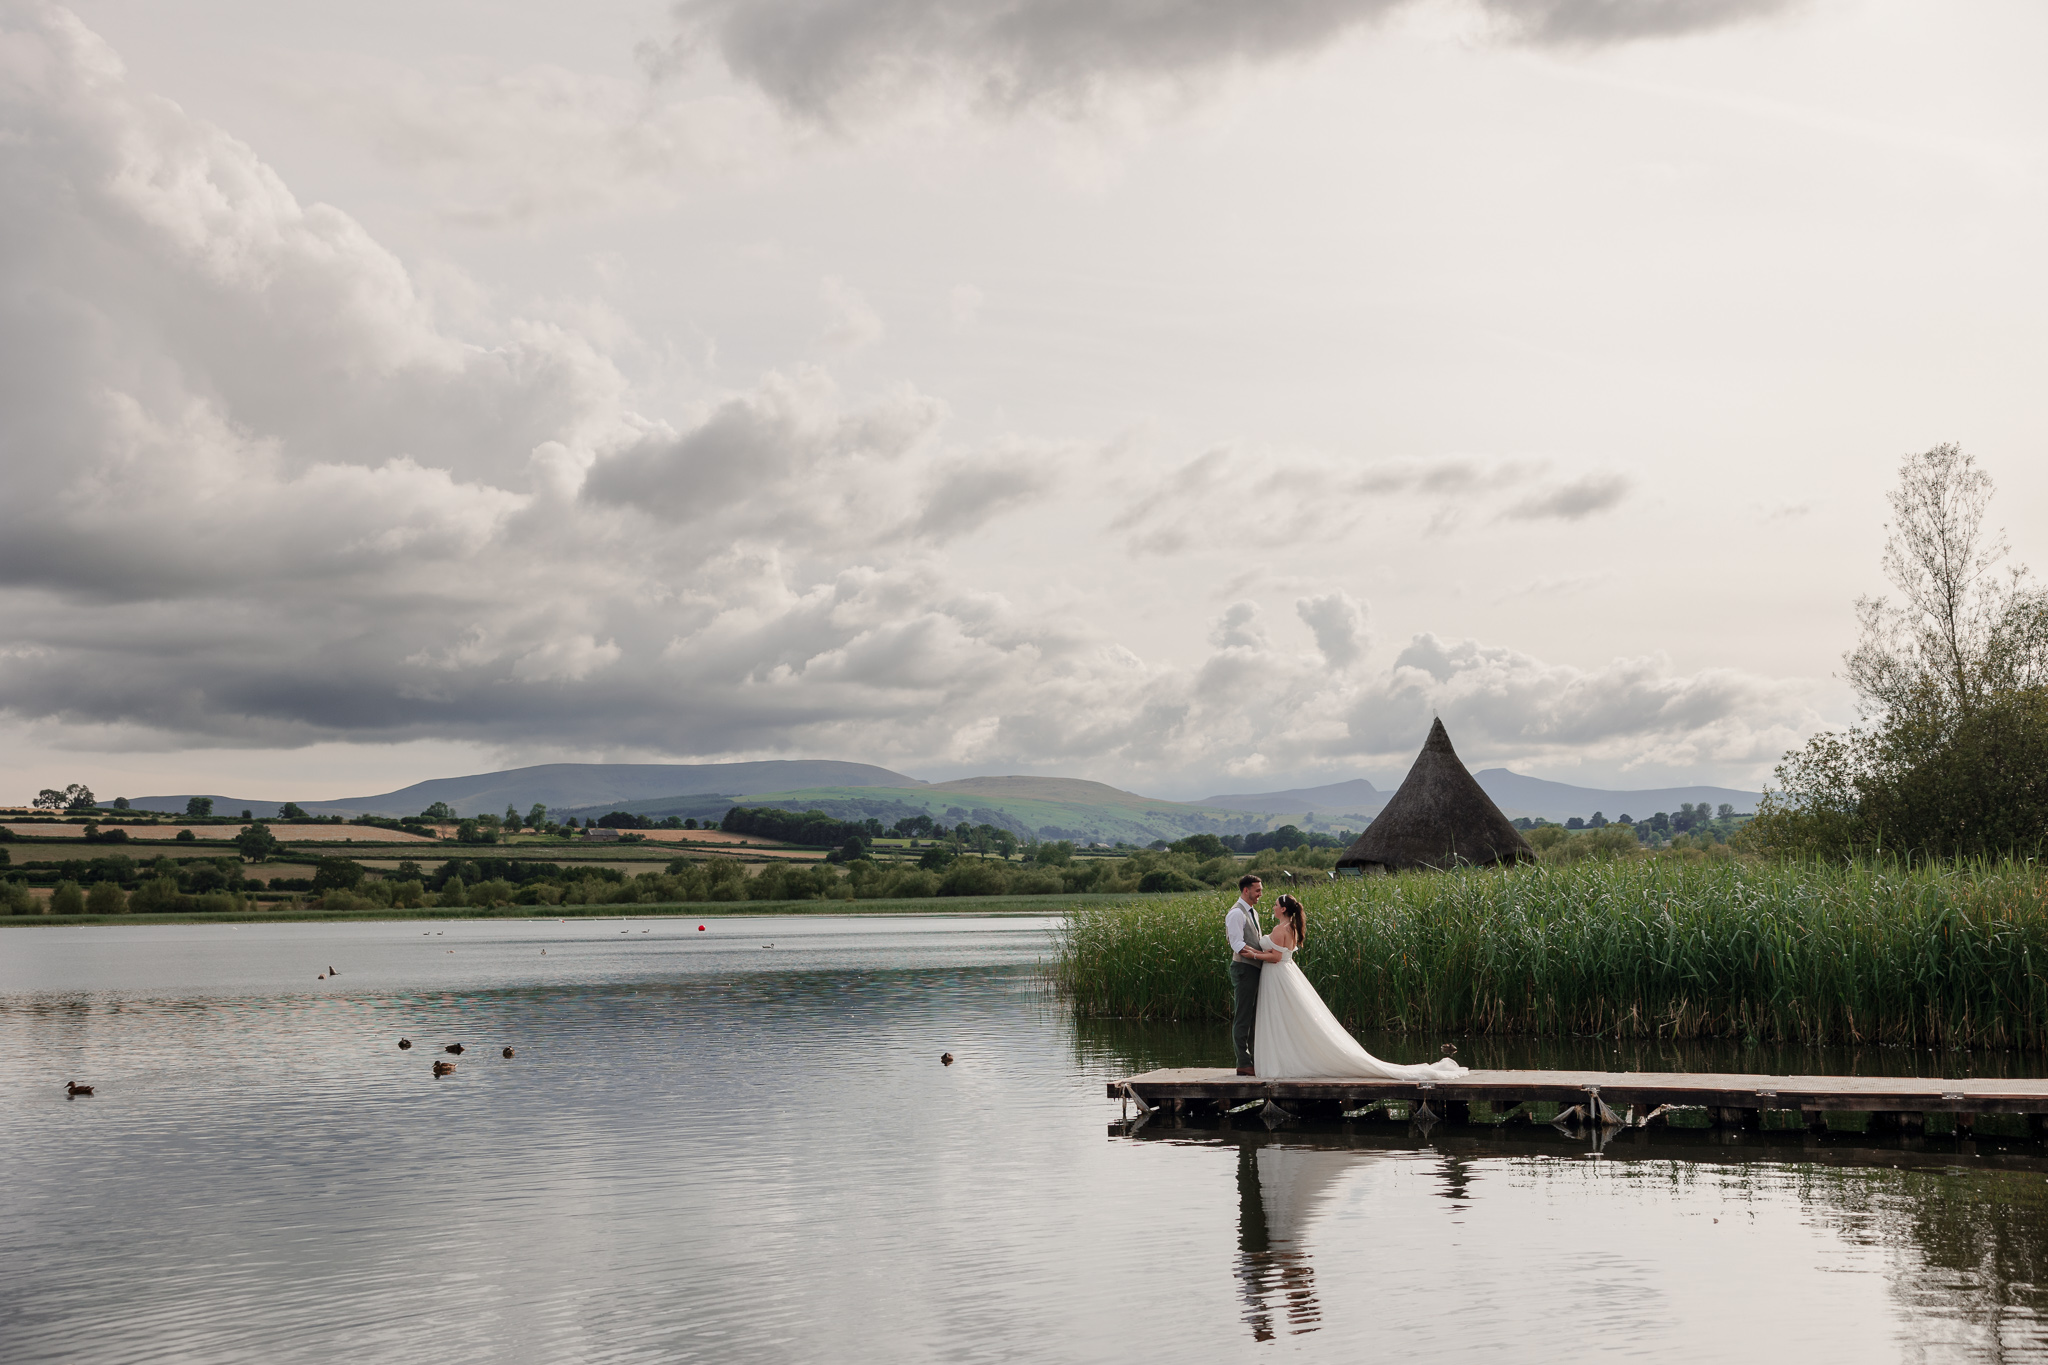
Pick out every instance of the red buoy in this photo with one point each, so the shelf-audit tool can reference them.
(700, 928)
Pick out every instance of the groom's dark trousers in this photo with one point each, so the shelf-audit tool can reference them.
(1244, 981)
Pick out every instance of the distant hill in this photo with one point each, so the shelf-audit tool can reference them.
(572, 785)
(1532, 796)
(1356, 797)
(1031, 807)
(1072, 790)
(1044, 807)
(1515, 794)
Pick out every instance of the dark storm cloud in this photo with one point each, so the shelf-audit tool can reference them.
(823, 58)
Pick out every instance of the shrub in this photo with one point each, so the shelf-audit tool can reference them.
(907, 884)
(1611, 841)
(67, 899)
(186, 836)
(106, 898)
(493, 892)
(159, 895)
(1167, 879)
(973, 877)
(411, 895)
(15, 899)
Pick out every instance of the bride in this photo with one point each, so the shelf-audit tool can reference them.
(1297, 1037)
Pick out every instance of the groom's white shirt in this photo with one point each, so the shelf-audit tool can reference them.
(1241, 925)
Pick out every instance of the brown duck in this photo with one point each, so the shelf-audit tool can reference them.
(74, 1088)
(443, 1068)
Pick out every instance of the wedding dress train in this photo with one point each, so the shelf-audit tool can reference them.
(1297, 1037)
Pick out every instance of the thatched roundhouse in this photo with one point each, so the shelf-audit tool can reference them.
(1440, 818)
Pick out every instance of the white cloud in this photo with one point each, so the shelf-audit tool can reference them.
(1168, 514)
(1339, 626)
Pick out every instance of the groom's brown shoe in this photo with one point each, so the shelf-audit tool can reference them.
(1246, 1071)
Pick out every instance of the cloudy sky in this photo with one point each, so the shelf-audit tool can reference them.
(1190, 395)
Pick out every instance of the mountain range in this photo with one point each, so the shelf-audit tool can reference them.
(1514, 793)
(1047, 807)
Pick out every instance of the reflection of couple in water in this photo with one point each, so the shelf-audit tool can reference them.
(1270, 1253)
(1282, 1028)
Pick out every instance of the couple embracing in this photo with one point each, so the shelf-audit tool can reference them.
(1282, 1028)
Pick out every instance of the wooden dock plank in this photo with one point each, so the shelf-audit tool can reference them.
(1644, 1089)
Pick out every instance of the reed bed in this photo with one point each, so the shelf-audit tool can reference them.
(1936, 954)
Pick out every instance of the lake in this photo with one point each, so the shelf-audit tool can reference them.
(710, 1148)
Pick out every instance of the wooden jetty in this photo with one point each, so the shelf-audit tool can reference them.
(1604, 1098)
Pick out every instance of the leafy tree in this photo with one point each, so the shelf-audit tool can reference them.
(75, 797)
(159, 895)
(537, 815)
(67, 899)
(440, 810)
(1054, 854)
(185, 836)
(1203, 846)
(332, 873)
(120, 803)
(938, 858)
(257, 843)
(199, 806)
(106, 898)
(475, 832)
(1951, 756)
(291, 810)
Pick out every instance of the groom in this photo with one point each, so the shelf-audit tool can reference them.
(1241, 926)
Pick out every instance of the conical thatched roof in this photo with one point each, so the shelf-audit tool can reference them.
(1440, 818)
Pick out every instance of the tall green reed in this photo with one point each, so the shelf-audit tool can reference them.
(1949, 954)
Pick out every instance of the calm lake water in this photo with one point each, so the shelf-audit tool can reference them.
(712, 1149)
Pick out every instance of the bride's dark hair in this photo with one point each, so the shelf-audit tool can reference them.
(1290, 907)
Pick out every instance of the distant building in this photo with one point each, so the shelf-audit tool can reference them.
(600, 832)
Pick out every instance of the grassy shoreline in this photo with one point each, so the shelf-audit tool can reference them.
(950, 906)
(1942, 955)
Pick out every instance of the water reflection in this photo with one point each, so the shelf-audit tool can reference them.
(1959, 1230)
(1275, 1196)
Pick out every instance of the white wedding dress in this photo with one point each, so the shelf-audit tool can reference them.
(1297, 1038)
